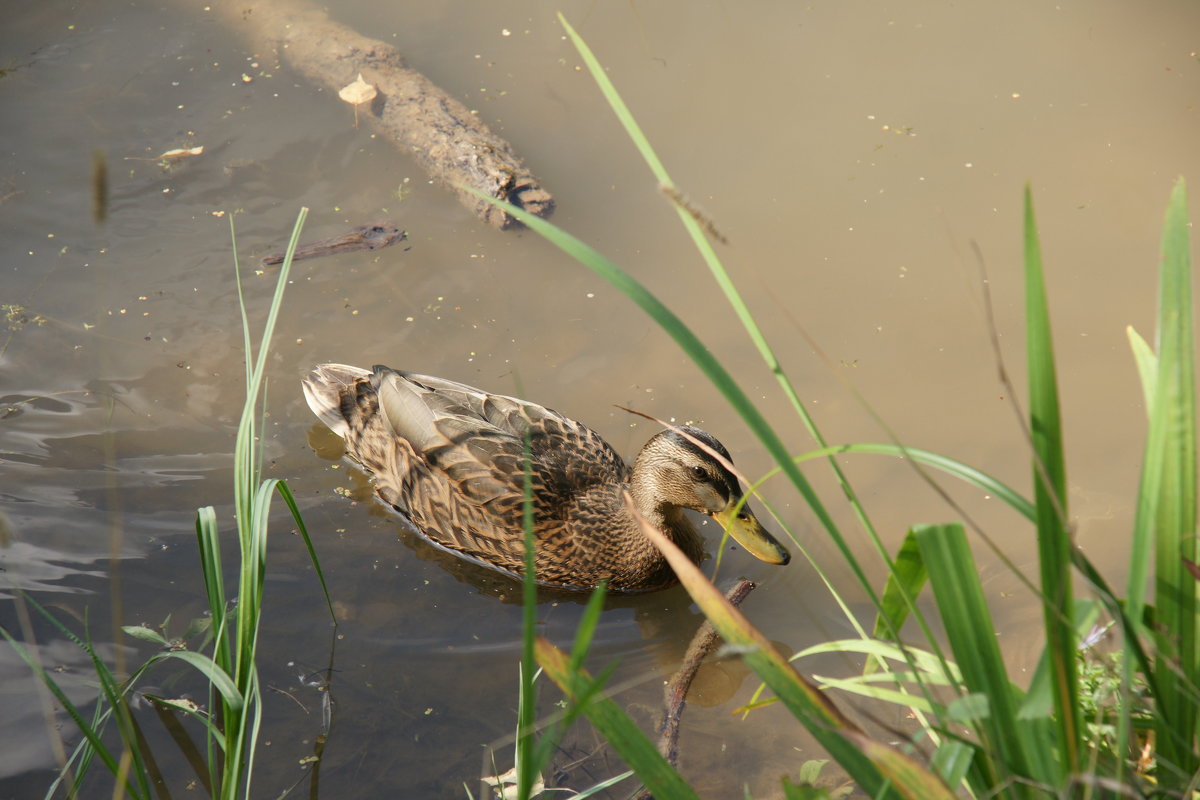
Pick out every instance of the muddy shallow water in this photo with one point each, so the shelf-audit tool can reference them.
(852, 154)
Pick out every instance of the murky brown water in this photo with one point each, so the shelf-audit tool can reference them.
(851, 153)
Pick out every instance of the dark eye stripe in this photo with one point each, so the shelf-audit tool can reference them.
(723, 481)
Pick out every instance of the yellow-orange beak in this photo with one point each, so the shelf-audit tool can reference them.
(747, 531)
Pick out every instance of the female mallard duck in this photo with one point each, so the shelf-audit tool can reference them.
(451, 458)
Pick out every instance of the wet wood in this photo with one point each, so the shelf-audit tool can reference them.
(372, 236)
(675, 694)
(450, 144)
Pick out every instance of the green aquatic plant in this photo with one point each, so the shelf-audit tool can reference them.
(980, 733)
(231, 717)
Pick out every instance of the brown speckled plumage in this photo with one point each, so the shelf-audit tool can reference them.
(451, 458)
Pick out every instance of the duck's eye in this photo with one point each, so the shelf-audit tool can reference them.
(698, 473)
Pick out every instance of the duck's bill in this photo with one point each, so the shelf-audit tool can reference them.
(747, 531)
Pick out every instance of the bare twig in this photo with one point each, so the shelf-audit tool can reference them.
(675, 693)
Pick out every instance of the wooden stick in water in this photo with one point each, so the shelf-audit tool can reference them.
(372, 236)
(675, 693)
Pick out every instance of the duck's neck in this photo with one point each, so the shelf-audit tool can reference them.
(664, 516)
(641, 489)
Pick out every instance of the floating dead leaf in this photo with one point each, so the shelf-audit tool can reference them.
(505, 785)
(357, 93)
(172, 155)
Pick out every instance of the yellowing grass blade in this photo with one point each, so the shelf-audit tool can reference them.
(879, 776)
(614, 725)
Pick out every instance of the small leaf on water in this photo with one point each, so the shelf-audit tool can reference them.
(172, 155)
(358, 92)
(183, 152)
(505, 785)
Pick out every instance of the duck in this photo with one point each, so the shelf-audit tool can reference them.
(451, 459)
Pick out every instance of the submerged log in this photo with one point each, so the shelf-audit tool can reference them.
(450, 143)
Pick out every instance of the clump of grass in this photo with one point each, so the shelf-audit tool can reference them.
(232, 716)
(987, 737)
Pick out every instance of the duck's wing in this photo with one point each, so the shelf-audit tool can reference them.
(479, 441)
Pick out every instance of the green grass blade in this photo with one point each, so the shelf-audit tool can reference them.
(972, 637)
(209, 669)
(691, 224)
(529, 757)
(584, 634)
(952, 760)
(133, 761)
(288, 498)
(916, 704)
(1147, 366)
(907, 577)
(191, 710)
(1040, 735)
(1169, 490)
(951, 467)
(587, 626)
(615, 725)
(247, 474)
(232, 671)
(89, 731)
(255, 728)
(601, 786)
(208, 541)
(111, 705)
(145, 634)
(1050, 500)
(614, 100)
(929, 664)
(793, 791)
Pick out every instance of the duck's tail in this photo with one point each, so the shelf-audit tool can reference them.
(324, 389)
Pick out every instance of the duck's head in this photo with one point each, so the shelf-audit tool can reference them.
(675, 471)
